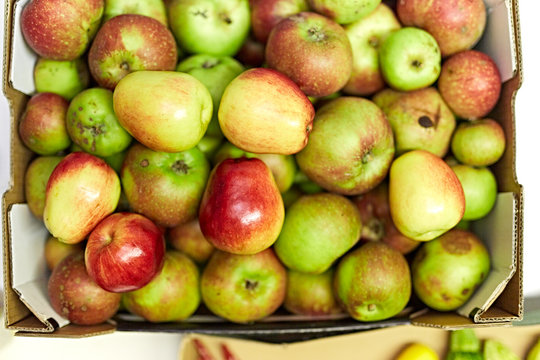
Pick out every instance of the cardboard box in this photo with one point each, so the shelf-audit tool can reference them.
(498, 301)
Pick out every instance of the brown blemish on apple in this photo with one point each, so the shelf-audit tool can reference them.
(458, 245)
(202, 13)
(425, 121)
(226, 18)
(445, 297)
(144, 163)
(465, 291)
(372, 307)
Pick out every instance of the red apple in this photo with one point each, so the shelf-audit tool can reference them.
(470, 83)
(61, 29)
(128, 43)
(124, 252)
(241, 210)
(74, 295)
(251, 54)
(265, 14)
(189, 239)
(55, 251)
(313, 51)
(81, 191)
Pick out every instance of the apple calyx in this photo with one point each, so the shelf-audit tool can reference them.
(251, 285)
(210, 63)
(373, 230)
(180, 166)
(225, 18)
(316, 34)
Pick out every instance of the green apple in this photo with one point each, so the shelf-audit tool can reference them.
(215, 27)
(93, 125)
(318, 229)
(344, 11)
(153, 8)
(209, 145)
(480, 188)
(63, 77)
(215, 72)
(410, 59)
(35, 182)
(478, 142)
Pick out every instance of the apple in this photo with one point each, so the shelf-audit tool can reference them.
(283, 167)
(265, 14)
(128, 43)
(153, 8)
(470, 83)
(251, 54)
(243, 288)
(420, 119)
(93, 125)
(172, 295)
(480, 189)
(366, 36)
(241, 211)
(350, 148)
(189, 239)
(175, 114)
(42, 127)
(124, 252)
(373, 282)
(55, 251)
(410, 59)
(82, 190)
(447, 270)
(426, 197)
(344, 11)
(479, 142)
(215, 72)
(66, 78)
(318, 229)
(313, 51)
(60, 29)
(277, 123)
(35, 182)
(165, 187)
(208, 26)
(311, 295)
(457, 25)
(74, 295)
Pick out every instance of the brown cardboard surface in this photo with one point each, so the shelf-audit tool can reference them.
(502, 305)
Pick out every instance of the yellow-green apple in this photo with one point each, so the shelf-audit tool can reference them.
(305, 185)
(265, 14)
(479, 142)
(243, 288)
(42, 127)
(175, 115)
(61, 29)
(82, 190)
(251, 54)
(457, 25)
(350, 148)
(283, 167)
(63, 77)
(55, 251)
(128, 43)
(344, 11)
(480, 189)
(313, 51)
(241, 211)
(311, 295)
(172, 295)
(425, 195)
(277, 123)
(366, 36)
(93, 125)
(410, 59)
(165, 187)
(377, 224)
(420, 119)
(209, 145)
(210, 26)
(215, 72)
(373, 282)
(447, 270)
(189, 239)
(124, 252)
(75, 296)
(153, 8)
(318, 229)
(290, 196)
(35, 182)
(470, 83)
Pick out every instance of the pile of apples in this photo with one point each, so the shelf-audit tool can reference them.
(324, 156)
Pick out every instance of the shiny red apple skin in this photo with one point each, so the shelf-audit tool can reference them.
(124, 252)
(74, 295)
(241, 211)
(470, 83)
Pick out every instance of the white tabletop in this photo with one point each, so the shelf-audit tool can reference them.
(165, 346)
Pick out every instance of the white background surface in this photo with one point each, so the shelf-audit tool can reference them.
(165, 346)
